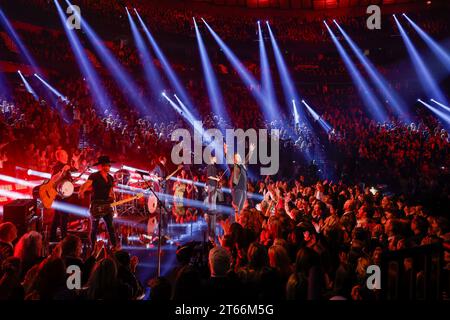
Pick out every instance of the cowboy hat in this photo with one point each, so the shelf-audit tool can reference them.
(103, 160)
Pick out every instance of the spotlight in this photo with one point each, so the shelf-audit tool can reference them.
(152, 75)
(372, 104)
(441, 105)
(52, 89)
(173, 78)
(269, 109)
(427, 81)
(287, 83)
(120, 75)
(212, 85)
(379, 81)
(443, 116)
(437, 49)
(27, 86)
(243, 73)
(87, 69)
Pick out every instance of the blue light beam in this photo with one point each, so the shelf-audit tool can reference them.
(27, 86)
(23, 50)
(317, 118)
(270, 110)
(248, 79)
(439, 113)
(432, 44)
(153, 77)
(427, 81)
(101, 98)
(214, 93)
(289, 90)
(441, 105)
(373, 105)
(52, 89)
(123, 79)
(391, 97)
(173, 78)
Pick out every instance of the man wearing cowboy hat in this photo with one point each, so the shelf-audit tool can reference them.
(101, 183)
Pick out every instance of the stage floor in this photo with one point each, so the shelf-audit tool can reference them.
(180, 234)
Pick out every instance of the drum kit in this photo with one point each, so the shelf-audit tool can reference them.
(143, 207)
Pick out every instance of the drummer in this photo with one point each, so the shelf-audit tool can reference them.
(61, 171)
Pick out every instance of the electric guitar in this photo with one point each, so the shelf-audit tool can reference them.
(162, 181)
(102, 208)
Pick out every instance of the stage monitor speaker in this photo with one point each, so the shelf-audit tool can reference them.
(22, 213)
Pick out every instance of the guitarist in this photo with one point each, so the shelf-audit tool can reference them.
(101, 183)
(61, 170)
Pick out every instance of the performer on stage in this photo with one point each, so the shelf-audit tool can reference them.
(211, 198)
(61, 170)
(239, 181)
(161, 170)
(101, 183)
(179, 189)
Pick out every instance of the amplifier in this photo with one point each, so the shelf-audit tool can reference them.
(22, 213)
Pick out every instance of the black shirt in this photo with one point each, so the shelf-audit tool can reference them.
(211, 171)
(160, 170)
(100, 187)
(241, 182)
(57, 168)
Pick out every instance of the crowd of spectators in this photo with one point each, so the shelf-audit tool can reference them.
(302, 242)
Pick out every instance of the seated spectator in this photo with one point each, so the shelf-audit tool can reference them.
(8, 233)
(29, 250)
(104, 284)
(160, 289)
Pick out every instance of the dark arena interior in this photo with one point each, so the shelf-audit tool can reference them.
(225, 150)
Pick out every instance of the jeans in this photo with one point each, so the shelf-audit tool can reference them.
(239, 197)
(59, 220)
(210, 216)
(109, 226)
(211, 198)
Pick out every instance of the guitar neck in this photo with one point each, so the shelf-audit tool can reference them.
(118, 203)
(171, 175)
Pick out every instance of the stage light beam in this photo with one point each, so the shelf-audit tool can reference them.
(270, 110)
(119, 74)
(432, 44)
(248, 79)
(390, 96)
(443, 116)
(373, 105)
(154, 80)
(441, 105)
(52, 89)
(214, 93)
(98, 93)
(427, 81)
(288, 85)
(28, 86)
(173, 78)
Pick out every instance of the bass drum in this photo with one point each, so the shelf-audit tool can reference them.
(152, 201)
(65, 188)
(152, 225)
(122, 176)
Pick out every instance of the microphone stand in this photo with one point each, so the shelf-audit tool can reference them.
(159, 203)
